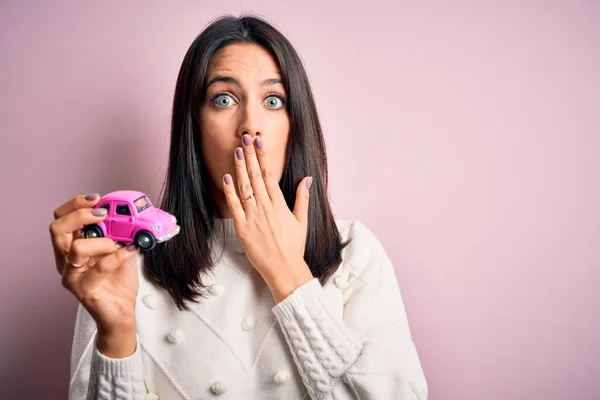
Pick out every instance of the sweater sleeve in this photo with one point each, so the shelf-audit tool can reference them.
(366, 354)
(95, 376)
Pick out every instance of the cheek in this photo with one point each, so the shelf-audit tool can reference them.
(277, 147)
(215, 131)
(214, 124)
(282, 123)
(278, 130)
(217, 146)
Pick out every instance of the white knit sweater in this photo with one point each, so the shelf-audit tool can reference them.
(347, 339)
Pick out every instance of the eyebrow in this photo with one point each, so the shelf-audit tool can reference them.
(231, 79)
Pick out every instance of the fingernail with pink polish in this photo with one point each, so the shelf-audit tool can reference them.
(131, 247)
(247, 140)
(239, 154)
(258, 143)
(91, 196)
(309, 182)
(228, 179)
(99, 212)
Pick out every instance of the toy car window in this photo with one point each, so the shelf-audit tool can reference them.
(123, 209)
(105, 205)
(142, 203)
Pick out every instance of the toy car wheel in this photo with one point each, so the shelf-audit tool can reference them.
(145, 240)
(92, 231)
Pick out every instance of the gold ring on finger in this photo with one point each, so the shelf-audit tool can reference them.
(67, 261)
(249, 197)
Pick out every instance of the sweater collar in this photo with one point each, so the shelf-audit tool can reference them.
(226, 228)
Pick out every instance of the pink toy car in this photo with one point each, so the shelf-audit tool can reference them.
(133, 219)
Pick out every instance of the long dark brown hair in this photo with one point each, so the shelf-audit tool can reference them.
(179, 264)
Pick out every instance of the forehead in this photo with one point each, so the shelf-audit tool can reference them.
(243, 60)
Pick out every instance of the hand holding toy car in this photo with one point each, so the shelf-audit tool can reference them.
(100, 272)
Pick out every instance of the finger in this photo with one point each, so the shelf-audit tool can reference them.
(66, 229)
(233, 201)
(83, 250)
(302, 200)
(71, 222)
(113, 261)
(271, 183)
(108, 263)
(77, 202)
(254, 172)
(245, 188)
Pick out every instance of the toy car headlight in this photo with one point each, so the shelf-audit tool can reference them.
(174, 219)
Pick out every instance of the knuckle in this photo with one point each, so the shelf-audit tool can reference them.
(104, 264)
(77, 247)
(118, 259)
(267, 174)
(124, 255)
(82, 213)
(254, 174)
(52, 228)
(246, 187)
(108, 243)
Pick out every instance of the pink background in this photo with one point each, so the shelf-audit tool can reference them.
(465, 136)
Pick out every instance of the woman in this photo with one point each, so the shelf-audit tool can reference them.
(263, 294)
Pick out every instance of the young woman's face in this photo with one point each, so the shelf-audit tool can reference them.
(244, 95)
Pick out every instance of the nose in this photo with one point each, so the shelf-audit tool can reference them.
(250, 121)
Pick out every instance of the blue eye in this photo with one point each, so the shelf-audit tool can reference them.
(275, 102)
(222, 100)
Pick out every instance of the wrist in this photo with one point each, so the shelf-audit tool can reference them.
(282, 285)
(117, 342)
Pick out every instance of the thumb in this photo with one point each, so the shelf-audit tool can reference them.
(302, 197)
